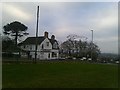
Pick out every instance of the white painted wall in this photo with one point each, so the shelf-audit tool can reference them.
(28, 47)
(45, 44)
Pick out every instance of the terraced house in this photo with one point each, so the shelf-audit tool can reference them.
(47, 48)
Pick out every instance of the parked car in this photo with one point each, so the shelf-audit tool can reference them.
(89, 59)
(83, 58)
(74, 58)
(117, 62)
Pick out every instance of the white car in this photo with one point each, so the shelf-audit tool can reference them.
(74, 58)
(83, 58)
(116, 62)
(89, 59)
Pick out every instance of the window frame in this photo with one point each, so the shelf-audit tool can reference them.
(47, 43)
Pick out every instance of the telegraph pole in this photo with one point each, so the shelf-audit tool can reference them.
(36, 34)
(92, 46)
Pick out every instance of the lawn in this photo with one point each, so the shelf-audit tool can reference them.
(60, 75)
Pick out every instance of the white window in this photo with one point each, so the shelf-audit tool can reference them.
(47, 43)
(55, 45)
(54, 54)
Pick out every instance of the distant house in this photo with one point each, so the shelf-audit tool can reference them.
(47, 48)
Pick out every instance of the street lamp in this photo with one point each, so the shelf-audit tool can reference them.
(92, 46)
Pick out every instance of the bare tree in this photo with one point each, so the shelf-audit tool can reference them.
(74, 47)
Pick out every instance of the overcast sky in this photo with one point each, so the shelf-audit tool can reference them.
(64, 18)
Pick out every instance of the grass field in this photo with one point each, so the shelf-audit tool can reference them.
(60, 75)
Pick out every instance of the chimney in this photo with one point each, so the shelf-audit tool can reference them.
(53, 37)
(46, 34)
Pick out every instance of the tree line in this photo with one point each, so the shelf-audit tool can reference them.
(69, 48)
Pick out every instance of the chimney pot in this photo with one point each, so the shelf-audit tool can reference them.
(53, 37)
(46, 34)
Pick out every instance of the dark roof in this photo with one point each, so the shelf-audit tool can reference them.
(32, 40)
(53, 41)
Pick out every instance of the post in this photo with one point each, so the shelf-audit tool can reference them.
(92, 46)
(92, 36)
(36, 34)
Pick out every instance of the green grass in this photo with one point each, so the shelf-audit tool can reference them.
(60, 75)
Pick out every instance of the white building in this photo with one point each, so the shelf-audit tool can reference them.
(46, 48)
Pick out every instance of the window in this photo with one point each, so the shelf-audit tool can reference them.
(42, 46)
(49, 55)
(54, 54)
(47, 43)
(55, 45)
(24, 46)
(31, 47)
(42, 55)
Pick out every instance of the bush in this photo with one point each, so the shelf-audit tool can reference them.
(7, 54)
(10, 55)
